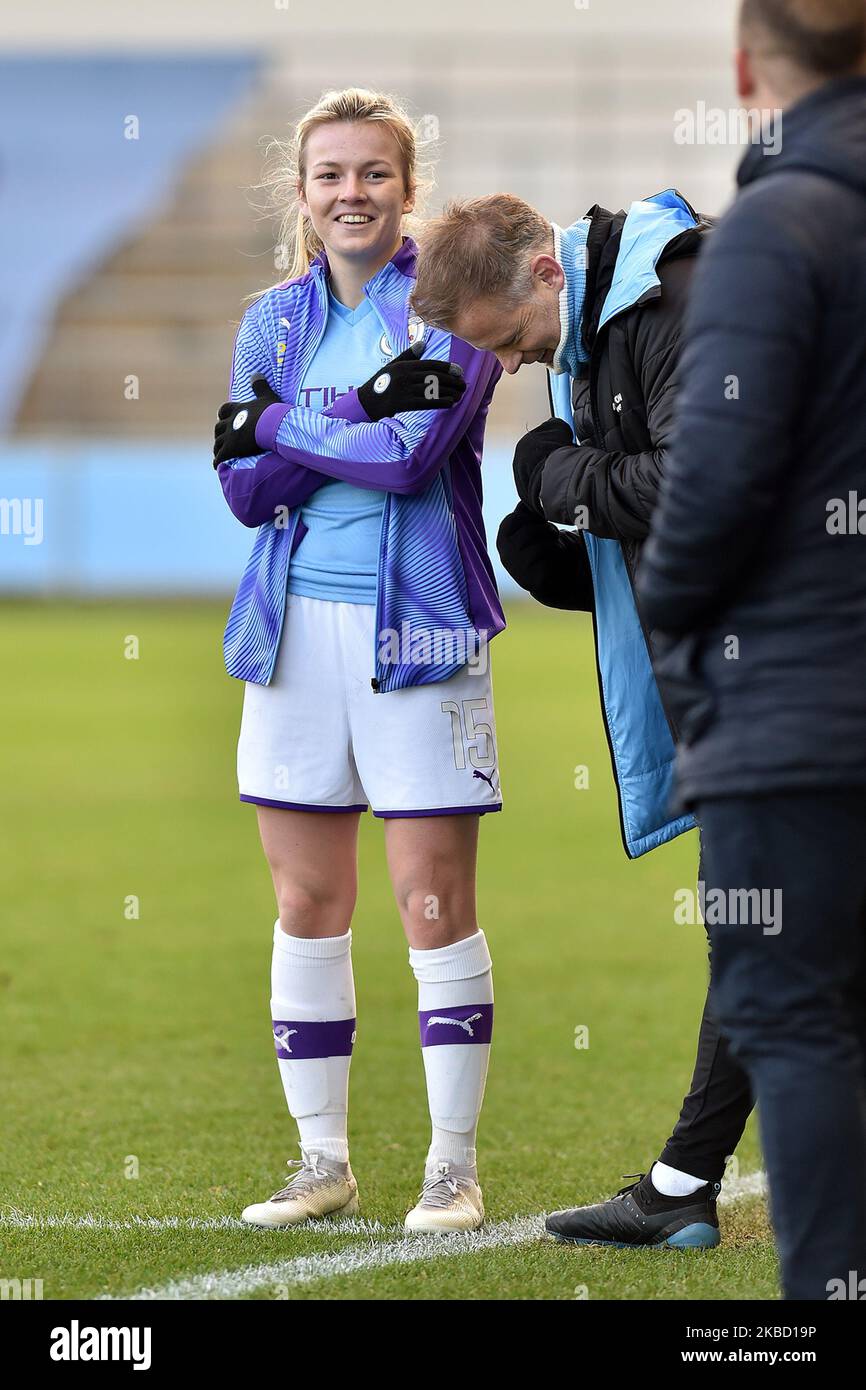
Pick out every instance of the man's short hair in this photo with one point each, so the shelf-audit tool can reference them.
(822, 37)
(477, 248)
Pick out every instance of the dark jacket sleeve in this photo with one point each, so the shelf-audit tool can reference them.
(549, 564)
(748, 342)
(619, 490)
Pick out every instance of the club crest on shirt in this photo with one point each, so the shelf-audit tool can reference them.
(417, 329)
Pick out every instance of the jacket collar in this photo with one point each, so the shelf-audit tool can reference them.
(403, 262)
(823, 131)
(602, 248)
(569, 249)
(623, 250)
(387, 290)
(651, 224)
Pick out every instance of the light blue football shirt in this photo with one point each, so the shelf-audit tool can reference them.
(338, 558)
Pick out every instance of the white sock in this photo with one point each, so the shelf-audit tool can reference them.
(455, 1013)
(671, 1182)
(313, 1013)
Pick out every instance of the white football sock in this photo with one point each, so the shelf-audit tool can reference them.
(313, 1013)
(455, 1011)
(671, 1182)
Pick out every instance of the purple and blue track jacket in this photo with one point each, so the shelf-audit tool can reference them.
(435, 579)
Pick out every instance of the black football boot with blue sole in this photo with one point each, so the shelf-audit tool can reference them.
(639, 1215)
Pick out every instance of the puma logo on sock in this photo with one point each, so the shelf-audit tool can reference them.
(464, 1023)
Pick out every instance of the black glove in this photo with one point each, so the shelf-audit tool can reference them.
(235, 432)
(530, 456)
(412, 383)
(550, 564)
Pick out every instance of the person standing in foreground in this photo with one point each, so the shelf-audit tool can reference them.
(353, 443)
(754, 580)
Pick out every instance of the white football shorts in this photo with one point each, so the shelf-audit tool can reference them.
(319, 738)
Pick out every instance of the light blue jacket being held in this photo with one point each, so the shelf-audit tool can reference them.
(641, 745)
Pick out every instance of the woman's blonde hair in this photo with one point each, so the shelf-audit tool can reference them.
(297, 242)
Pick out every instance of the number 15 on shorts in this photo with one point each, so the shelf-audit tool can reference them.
(472, 735)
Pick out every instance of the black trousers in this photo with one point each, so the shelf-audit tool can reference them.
(719, 1102)
(789, 992)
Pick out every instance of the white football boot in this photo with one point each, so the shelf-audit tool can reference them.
(320, 1188)
(450, 1201)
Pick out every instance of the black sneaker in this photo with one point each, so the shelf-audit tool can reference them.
(641, 1215)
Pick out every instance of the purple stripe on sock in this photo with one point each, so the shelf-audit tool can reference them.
(467, 1023)
(302, 1039)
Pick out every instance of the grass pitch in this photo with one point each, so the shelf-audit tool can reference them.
(138, 1068)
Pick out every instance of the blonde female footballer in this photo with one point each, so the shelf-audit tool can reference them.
(352, 442)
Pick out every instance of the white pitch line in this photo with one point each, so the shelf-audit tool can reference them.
(22, 1221)
(305, 1269)
(15, 1220)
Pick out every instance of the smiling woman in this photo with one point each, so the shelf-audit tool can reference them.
(360, 629)
(356, 158)
(356, 183)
